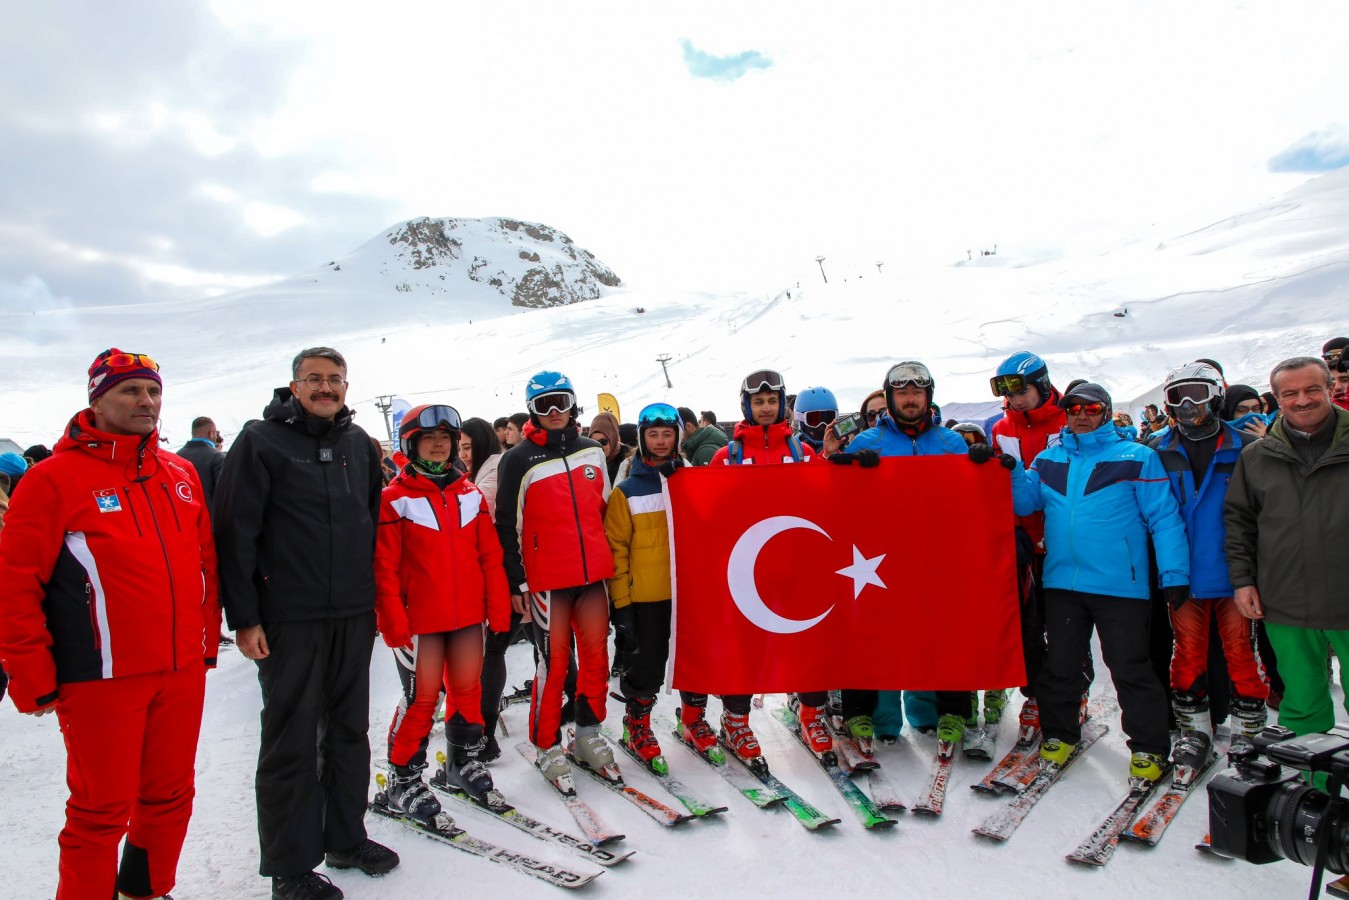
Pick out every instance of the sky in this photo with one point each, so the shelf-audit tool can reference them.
(156, 150)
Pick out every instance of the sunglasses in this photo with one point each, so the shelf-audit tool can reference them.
(1196, 392)
(557, 401)
(439, 417)
(817, 418)
(873, 415)
(1008, 385)
(1091, 409)
(906, 373)
(602, 441)
(763, 380)
(122, 360)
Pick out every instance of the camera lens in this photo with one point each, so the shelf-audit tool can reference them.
(1298, 812)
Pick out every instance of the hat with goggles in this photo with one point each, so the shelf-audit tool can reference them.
(904, 374)
(1086, 395)
(758, 382)
(113, 365)
(425, 419)
(549, 392)
(659, 415)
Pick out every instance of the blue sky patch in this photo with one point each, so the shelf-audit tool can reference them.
(702, 64)
(1319, 151)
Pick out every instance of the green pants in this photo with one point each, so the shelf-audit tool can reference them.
(1303, 664)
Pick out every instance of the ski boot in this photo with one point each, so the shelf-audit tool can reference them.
(736, 734)
(1196, 731)
(1192, 750)
(1147, 766)
(465, 771)
(994, 702)
(408, 795)
(638, 736)
(590, 750)
(694, 731)
(950, 728)
(834, 710)
(1055, 752)
(1029, 718)
(863, 734)
(552, 763)
(1248, 714)
(814, 731)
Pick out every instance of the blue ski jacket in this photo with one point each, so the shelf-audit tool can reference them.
(1202, 509)
(1102, 496)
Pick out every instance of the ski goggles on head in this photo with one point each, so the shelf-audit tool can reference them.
(1008, 385)
(1091, 409)
(433, 417)
(123, 360)
(659, 415)
(762, 380)
(907, 373)
(817, 418)
(1197, 392)
(555, 401)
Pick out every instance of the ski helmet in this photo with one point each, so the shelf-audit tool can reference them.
(545, 391)
(814, 409)
(905, 373)
(1191, 389)
(965, 428)
(1017, 371)
(429, 417)
(763, 380)
(659, 415)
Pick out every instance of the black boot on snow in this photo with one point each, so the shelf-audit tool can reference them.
(464, 771)
(409, 795)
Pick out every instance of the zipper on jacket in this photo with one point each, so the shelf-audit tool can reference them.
(131, 506)
(168, 567)
(172, 508)
(93, 621)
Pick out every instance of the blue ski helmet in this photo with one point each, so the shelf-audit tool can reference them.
(1017, 371)
(542, 387)
(814, 409)
(656, 415)
(763, 380)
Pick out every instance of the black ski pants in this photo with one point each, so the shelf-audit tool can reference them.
(314, 753)
(1122, 624)
(649, 653)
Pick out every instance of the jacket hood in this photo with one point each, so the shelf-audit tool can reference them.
(1092, 440)
(606, 424)
(749, 431)
(80, 434)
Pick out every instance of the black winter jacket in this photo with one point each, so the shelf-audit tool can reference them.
(296, 510)
(208, 461)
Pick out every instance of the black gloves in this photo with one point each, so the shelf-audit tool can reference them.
(624, 622)
(868, 459)
(1007, 462)
(1176, 595)
(980, 453)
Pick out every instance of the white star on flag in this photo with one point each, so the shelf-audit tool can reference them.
(862, 571)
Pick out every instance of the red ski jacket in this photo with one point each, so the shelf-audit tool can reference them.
(763, 444)
(107, 566)
(437, 560)
(552, 489)
(1025, 435)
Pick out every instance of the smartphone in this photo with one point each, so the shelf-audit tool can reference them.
(848, 425)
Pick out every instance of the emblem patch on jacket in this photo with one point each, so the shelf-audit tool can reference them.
(590, 472)
(108, 500)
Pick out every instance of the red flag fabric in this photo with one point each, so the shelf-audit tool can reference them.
(813, 577)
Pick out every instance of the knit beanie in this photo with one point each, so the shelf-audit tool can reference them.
(113, 365)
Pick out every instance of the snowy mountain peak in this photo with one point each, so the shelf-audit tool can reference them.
(531, 264)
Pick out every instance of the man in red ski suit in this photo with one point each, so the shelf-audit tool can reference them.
(109, 616)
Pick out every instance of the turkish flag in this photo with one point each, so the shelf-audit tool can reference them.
(810, 577)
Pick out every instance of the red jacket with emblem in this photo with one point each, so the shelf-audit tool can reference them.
(552, 489)
(763, 444)
(107, 566)
(437, 560)
(1025, 435)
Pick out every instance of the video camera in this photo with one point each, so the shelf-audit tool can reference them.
(1263, 811)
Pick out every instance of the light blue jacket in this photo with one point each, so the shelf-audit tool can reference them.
(887, 440)
(1102, 496)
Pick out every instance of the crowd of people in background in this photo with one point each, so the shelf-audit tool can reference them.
(1197, 544)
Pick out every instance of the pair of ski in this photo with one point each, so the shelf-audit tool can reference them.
(1015, 770)
(443, 829)
(867, 811)
(861, 764)
(659, 769)
(1003, 823)
(977, 744)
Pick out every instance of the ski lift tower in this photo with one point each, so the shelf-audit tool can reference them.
(820, 260)
(384, 403)
(663, 359)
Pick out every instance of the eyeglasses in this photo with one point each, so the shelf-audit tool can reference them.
(1008, 385)
(314, 382)
(817, 418)
(909, 373)
(874, 414)
(442, 416)
(763, 380)
(557, 401)
(1196, 392)
(122, 360)
(1091, 409)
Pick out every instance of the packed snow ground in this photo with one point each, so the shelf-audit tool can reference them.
(1248, 291)
(745, 852)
